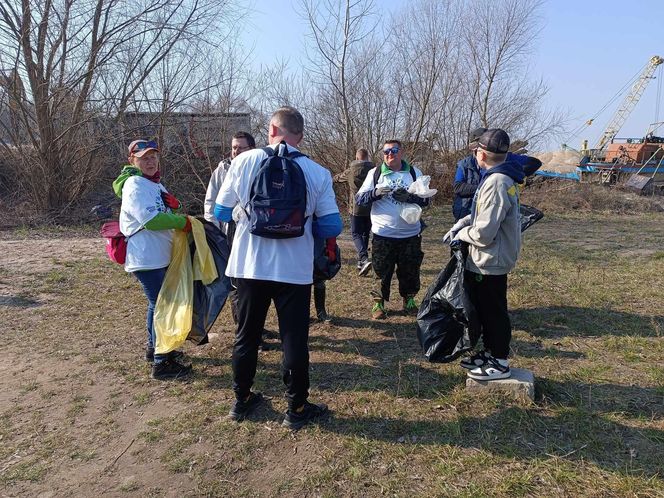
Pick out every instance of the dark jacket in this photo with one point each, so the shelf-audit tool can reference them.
(357, 172)
(466, 180)
(468, 177)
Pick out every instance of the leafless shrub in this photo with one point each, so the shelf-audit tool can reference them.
(564, 197)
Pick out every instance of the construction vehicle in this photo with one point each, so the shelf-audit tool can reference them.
(599, 152)
(613, 159)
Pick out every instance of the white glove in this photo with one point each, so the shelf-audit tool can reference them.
(238, 213)
(381, 191)
(451, 235)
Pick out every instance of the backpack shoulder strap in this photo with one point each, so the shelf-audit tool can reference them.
(268, 150)
(412, 173)
(129, 236)
(376, 176)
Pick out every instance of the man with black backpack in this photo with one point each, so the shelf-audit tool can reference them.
(278, 190)
(397, 244)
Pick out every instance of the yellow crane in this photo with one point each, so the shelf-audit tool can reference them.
(626, 107)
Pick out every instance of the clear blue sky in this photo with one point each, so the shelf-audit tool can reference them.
(587, 50)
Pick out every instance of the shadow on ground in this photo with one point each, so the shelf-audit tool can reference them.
(527, 433)
(566, 321)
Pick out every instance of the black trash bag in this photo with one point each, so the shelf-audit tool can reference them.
(324, 269)
(209, 299)
(447, 324)
(529, 216)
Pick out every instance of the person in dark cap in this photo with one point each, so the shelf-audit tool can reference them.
(467, 176)
(493, 233)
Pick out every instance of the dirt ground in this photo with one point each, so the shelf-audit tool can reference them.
(44, 383)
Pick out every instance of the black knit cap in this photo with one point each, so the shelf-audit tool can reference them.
(495, 140)
(475, 135)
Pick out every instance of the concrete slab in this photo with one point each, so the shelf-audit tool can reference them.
(521, 383)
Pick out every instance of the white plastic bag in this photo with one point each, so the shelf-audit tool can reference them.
(420, 188)
(411, 213)
(238, 213)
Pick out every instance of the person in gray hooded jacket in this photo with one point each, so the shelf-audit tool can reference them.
(493, 233)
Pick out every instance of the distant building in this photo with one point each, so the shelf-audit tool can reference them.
(207, 133)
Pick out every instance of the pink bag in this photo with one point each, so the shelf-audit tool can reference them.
(116, 242)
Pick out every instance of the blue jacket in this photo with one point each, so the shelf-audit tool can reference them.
(466, 180)
(468, 176)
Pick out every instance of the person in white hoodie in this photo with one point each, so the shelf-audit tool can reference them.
(492, 231)
(242, 142)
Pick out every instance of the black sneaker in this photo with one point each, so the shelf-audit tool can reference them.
(491, 370)
(479, 359)
(169, 369)
(323, 316)
(241, 409)
(310, 411)
(177, 356)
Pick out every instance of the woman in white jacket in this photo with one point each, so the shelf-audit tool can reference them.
(147, 220)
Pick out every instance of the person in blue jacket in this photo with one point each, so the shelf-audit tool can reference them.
(468, 174)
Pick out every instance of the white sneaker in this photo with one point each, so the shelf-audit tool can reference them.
(491, 370)
(364, 269)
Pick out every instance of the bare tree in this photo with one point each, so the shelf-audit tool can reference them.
(337, 28)
(498, 39)
(428, 62)
(84, 61)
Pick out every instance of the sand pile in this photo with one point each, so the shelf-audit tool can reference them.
(560, 161)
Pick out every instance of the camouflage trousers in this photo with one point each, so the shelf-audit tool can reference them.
(404, 255)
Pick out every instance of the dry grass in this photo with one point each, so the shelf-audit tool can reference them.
(566, 197)
(79, 415)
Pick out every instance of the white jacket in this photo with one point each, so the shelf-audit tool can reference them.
(213, 188)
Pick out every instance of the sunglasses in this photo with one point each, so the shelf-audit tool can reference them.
(393, 150)
(139, 146)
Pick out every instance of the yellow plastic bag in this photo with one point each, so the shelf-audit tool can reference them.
(205, 269)
(174, 309)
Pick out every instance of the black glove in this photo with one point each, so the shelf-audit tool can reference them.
(400, 195)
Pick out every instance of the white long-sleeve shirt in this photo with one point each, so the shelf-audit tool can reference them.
(216, 180)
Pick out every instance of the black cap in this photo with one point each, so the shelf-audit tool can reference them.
(495, 140)
(475, 135)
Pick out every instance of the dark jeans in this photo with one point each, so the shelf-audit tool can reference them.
(360, 229)
(403, 254)
(151, 281)
(489, 295)
(292, 304)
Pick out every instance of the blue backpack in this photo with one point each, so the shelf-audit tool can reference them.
(278, 196)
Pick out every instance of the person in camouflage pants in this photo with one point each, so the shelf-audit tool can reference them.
(397, 244)
(403, 254)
